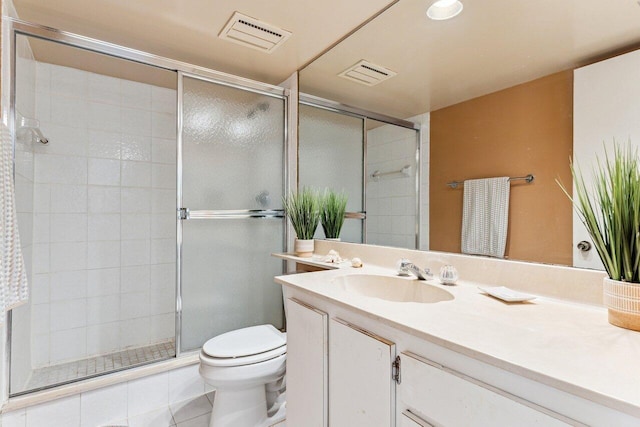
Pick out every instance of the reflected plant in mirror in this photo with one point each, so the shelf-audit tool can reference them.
(334, 206)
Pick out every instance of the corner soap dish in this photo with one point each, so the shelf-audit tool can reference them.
(506, 294)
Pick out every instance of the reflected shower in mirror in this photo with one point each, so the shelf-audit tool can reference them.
(495, 88)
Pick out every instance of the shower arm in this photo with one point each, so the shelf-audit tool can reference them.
(32, 125)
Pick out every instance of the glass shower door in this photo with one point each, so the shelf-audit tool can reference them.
(231, 209)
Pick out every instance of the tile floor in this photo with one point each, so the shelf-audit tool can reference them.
(79, 369)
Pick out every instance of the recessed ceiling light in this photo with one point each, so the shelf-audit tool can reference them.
(444, 9)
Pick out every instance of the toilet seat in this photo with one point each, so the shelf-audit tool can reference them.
(245, 346)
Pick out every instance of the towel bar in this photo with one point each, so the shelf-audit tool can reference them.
(529, 178)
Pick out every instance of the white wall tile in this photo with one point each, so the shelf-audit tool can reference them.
(40, 350)
(67, 345)
(134, 331)
(41, 262)
(68, 314)
(67, 285)
(163, 201)
(136, 95)
(103, 227)
(135, 122)
(40, 289)
(17, 418)
(104, 117)
(68, 198)
(163, 176)
(103, 282)
(69, 111)
(68, 256)
(41, 197)
(135, 252)
(103, 338)
(163, 251)
(56, 169)
(134, 305)
(104, 172)
(103, 254)
(104, 144)
(136, 174)
(157, 418)
(136, 226)
(68, 227)
(163, 100)
(135, 279)
(62, 412)
(147, 394)
(135, 147)
(163, 277)
(40, 318)
(163, 150)
(163, 125)
(65, 140)
(68, 81)
(162, 302)
(103, 309)
(104, 199)
(103, 406)
(185, 383)
(41, 228)
(43, 77)
(136, 200)
(104, 89)
(162, 326)
(163, 226)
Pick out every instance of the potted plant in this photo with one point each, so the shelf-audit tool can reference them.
(332, 212)
(610, 210)
(303, 210)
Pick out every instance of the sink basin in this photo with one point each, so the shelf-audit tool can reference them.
(392, 288)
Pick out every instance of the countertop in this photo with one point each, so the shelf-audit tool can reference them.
(569, 346)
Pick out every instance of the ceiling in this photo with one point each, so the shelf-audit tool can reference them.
(491, 45)
(188, 30)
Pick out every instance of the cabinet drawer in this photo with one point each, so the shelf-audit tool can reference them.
(448, 398)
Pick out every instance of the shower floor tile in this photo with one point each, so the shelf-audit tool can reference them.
(93, 366)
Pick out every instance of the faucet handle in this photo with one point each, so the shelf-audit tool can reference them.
(402, 267)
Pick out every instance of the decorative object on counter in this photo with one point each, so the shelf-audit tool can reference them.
(334, 205)
(303, 210)
(333, 257)
(506, 294)
(610, 211)
(448, 275)
(356, 263)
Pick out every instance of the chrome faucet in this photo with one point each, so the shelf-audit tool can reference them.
(405, 267)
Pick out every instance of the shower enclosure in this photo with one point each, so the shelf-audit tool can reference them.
(148, 218)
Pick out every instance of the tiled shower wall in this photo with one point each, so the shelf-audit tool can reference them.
(104, 215)
(391, 200)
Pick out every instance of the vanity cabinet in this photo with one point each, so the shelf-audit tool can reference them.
(445, 397)
(307, 365)
(361, 388)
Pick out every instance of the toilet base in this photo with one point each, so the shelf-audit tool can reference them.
(230, 408)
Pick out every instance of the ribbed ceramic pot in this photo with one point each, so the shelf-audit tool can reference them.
(622, 299)
(303, 248)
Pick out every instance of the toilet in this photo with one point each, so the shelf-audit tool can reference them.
(247, 369)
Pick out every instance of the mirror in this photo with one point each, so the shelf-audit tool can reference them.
(495, 88)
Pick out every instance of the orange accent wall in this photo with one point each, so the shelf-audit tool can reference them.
(520, 130)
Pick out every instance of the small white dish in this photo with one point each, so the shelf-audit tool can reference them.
(507, 294)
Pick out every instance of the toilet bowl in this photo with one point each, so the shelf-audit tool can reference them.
(247, 368)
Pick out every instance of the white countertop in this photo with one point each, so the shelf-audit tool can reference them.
(569, 346)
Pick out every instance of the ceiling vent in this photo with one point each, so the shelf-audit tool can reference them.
(252, 33)
(367, 73)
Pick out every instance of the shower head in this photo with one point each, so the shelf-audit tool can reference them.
(262, 107)
(33, 126)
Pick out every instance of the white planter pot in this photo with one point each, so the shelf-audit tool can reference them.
(337, 239)
(303, 248)
(622, 299)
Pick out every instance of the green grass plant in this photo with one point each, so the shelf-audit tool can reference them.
(303, 210)
(333, 208)
(610, 210)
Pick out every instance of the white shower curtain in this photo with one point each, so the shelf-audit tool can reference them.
(13, 276)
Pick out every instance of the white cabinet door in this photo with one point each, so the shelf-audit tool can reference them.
(448, 398)
(361, 390)
(307, 366)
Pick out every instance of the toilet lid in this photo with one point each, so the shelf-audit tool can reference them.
(245, 342)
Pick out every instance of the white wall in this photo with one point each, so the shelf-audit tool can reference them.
(104, 227)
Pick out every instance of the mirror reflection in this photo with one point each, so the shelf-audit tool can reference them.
(496, 95)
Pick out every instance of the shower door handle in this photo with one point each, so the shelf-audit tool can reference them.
(187, 214)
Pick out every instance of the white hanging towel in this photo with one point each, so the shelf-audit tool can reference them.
(13, 275)
(485, 216)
